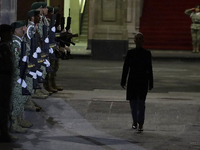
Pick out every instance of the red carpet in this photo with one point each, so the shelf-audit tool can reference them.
(165, 25)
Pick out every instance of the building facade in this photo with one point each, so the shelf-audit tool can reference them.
(111, 24)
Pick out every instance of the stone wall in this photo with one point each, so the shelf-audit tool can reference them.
(21, 10)
(8, 13)
(107, 27)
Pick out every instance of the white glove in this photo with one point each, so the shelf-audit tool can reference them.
(38, 50)
(47, 63)
(24, 85)
(35, 55)
(51, 50)
(53, 29)
(33, 74)
(46, 40)
(39, 73)
(24, 59)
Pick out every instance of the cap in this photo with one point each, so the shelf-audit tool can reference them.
(36, 5)
(33, 13)
(44, 4)
(56, 9)
(17, 24)
(23, 22)
(50, 8)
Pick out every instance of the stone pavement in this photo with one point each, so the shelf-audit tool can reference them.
(100, 119)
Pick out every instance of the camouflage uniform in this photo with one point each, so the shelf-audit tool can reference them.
(40, 31)
(51, 76)
(32, 29)
(195, 28)
(6, 81)
(18, 99)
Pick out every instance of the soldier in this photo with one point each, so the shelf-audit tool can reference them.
(29, 104)
(42, 7)
(6, 81)
(195, 27)
(50, 85)
(19, 125)
(34, 18)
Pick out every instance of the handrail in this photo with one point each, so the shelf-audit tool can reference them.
(82, 6)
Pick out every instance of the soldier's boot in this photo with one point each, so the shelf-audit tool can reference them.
(38, 95)
(50, 88)
(194, 49)
(15, 127)
(45, 85)
(53, 84)
(64, 56)
(5, 136)
(69, 56)
(197, 49)
(23, 123)
(43, 90)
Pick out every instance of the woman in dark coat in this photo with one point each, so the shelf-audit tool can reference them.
(138, 68)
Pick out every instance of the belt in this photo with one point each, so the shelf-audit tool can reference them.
(197, 22)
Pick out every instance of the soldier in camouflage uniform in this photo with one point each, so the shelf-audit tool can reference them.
(42, 7)
(6, 82)
(34, 18)
(50, 85)
(19, 125)
(195, 27)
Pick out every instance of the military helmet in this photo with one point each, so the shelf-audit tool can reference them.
(17, 24)
(56, 9)
(43, 4)
(50, 8)
(33, 12)
(36, 5)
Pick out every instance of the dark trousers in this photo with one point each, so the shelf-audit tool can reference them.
(138, 109)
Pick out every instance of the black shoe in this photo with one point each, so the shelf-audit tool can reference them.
(134, 126)
(140, 128)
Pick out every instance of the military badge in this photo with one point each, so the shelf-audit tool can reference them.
(16, 51)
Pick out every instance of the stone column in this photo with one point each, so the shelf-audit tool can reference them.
(74, 12)
(8, 13)
(108, 29)
(134, 12)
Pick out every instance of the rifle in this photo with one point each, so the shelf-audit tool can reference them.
(62, 22)
(23, 68)
(36, 72)
(52, 42)
(68, 22)
(45, 48)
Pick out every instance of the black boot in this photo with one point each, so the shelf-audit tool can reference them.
(64, 57)
(69, 56)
